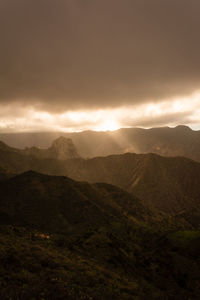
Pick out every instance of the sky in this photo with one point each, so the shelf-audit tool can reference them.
(75, 65)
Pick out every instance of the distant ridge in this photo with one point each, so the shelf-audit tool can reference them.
(178, 141)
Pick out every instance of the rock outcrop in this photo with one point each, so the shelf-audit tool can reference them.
(62, 149)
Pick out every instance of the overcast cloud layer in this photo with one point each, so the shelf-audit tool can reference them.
(63, 55)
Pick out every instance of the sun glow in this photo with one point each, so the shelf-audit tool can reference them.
(165, 113)
(108, 125)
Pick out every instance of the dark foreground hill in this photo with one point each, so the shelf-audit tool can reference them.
(178, 141)
(61, 239)
(60, 204)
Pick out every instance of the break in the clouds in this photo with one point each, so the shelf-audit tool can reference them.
(90, 56)
(179, 111)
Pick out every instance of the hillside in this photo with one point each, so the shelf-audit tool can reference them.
(59, 203)
(170, 184)
(62, 239)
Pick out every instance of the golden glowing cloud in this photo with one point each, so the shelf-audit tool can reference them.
(165, 113)
(110, 125)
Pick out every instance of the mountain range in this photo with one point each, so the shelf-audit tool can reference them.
(178, 141)
(169, 184)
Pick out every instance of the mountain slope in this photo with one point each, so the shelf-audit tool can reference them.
(169, 184)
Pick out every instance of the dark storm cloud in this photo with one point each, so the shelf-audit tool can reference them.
(64, 54)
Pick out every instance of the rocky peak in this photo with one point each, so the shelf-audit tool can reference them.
(63, 148)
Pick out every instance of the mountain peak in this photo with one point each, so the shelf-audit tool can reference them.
(183, 127)
(62, 141)
(63, 148)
